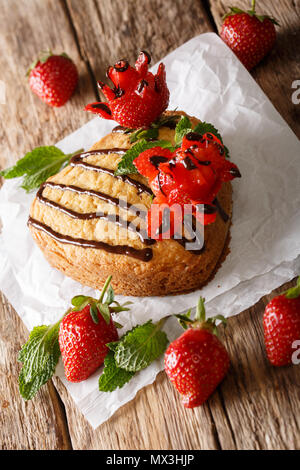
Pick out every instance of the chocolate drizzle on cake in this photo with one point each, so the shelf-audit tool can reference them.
(221, 211)
(145, 254)
(77, 160)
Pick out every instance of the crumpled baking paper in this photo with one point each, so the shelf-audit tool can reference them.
(205, 80)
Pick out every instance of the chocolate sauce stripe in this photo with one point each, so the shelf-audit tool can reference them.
(77, 161)
(145, 254)
(93, 193)
(221, 211)
(114, 218)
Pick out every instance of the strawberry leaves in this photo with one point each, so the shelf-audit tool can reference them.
(234, 10)
(200, 320)
(37, 166)
(104, 307)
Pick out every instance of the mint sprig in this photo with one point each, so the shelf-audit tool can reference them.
(135, 351)
(152, 132)
(39, 356)
(126, 165)
(141, 346)
(37, 166)
(113, 377)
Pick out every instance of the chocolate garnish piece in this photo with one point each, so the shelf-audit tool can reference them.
(189, 164)
(194, 136)
(221, 211)
(147, 55)
(121, 65)
(155, 160)
(141, 85)
(118, 92)
(235, 172)
(102, 106)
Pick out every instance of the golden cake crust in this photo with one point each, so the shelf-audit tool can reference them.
(171, 270)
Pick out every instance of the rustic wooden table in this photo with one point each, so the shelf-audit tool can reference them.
(257, 406)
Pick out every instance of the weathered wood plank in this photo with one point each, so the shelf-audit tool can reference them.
(38, 424)
(281, 67)
(26, 28)
(30, 27)
(261, 402)
(110, 30)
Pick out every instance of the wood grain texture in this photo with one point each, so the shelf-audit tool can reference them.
(108, 30)
(31, 26)
(38, 424)
(257, 406)
(26, 28)
(276, 73)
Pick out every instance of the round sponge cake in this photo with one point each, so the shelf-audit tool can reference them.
(77, 221)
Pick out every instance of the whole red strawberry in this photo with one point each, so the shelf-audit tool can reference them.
(53, 78)
(83, 343)
(197, 361)
(249, 35)
(282, 326)
(85, 332)
(138, 97)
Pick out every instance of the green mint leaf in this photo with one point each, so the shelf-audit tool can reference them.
(39, 356)
(183, 127)
(126, 166)
(164, 120)
(37, 166)
(151, 133)
(112, 376)
(141, 346)
(33, 161)
(113, 346)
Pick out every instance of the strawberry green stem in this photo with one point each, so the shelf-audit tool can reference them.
(200, 311)
(70, 155)
(253, 5)
(294, 292)
(161, 322)
(107, 282)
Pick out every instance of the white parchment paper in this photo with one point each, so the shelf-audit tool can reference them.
(205, 80)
